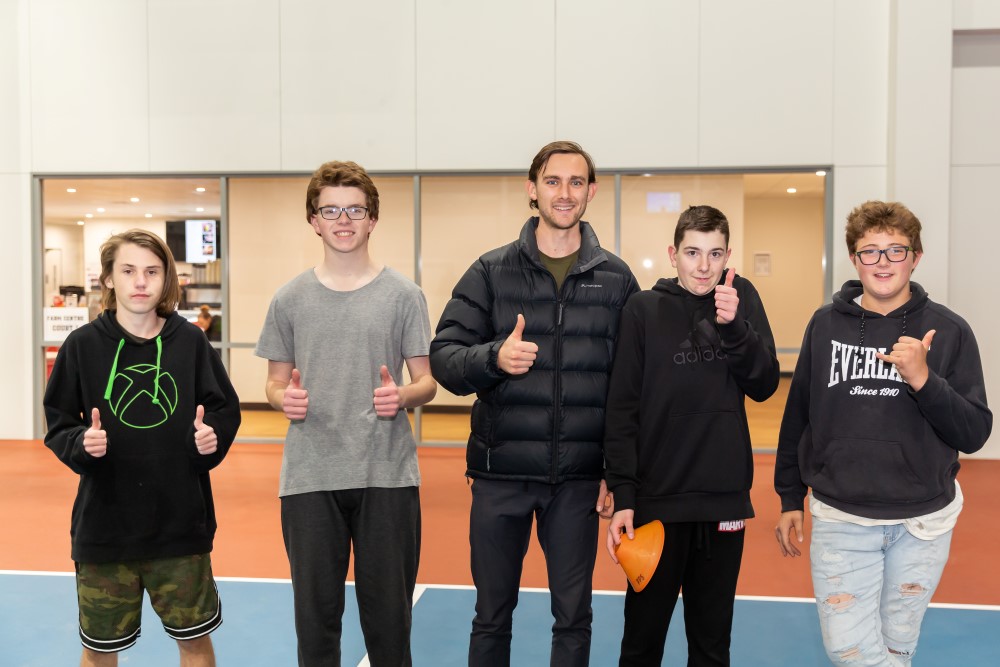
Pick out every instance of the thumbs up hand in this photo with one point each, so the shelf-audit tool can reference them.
(387, 396)
(909, 355)
(296, 399)
(726, 300)
(204, 435)
(95, 439)
(516, 355)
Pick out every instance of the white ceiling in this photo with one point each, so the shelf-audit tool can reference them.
(163, 198)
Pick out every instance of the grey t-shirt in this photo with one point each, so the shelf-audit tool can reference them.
(338, 341)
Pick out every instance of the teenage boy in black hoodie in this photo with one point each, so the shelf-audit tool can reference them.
(874, 423)
(676, 439)
(140, 406)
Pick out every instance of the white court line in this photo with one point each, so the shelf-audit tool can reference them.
(421, 588)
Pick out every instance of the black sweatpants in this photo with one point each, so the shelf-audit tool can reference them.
(384, 527)
(499, 532)
(702, 560)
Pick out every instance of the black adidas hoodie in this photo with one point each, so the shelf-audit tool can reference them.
(856, 433)
(150, 495)
(676, 439)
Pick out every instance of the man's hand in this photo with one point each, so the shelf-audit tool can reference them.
(605, 501)
(204, 435)
(621, 520)
(95, 439)
(726, 300)
(516, 355)
(296, 398)
(909, 356)
(789, 522)
(387, 398)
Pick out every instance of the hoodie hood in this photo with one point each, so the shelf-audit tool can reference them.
(847, 301)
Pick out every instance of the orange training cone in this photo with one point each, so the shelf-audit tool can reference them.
(640, 555)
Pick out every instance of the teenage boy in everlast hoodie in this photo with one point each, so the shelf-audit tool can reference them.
(140, 406)
(876, 416)
(676, 438)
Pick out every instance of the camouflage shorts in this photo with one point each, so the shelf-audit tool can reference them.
(181, 590)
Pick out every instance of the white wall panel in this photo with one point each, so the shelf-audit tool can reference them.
(975, 210)
(766, 77)
(348, 84)
(920, 128)
(627, 80)
(976, 15)
(89, 94)
(214, 85)
(485, 83)
(851, 186)
(11, 97)
(18, 398)
(860, 82)
(975, 101)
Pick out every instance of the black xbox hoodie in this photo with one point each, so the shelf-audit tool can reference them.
(676, 439)
(150, 496)
(856, 433)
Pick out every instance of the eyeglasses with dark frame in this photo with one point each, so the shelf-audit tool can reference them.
(896, 253)
(353, 212)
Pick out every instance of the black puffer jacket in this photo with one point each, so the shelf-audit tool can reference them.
(546, 425)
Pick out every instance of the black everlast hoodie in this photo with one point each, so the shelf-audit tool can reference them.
(150, 495)
(676, 439)
(856, 433)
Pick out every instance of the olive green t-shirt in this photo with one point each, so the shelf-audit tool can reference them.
(559, 266)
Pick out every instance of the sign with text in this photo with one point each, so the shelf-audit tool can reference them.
(59, 322)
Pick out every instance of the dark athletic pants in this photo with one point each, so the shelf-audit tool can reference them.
(499, 531)
(705, 564)
(384, 526)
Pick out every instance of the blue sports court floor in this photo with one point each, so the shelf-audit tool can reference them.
(38, 628)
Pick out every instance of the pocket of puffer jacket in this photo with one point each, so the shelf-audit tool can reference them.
(861, 470)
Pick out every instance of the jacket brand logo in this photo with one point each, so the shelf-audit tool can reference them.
(731, 526)
(590, 285)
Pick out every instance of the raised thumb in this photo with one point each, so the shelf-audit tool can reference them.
(927, 338)
(95, 419)
(296, 380)
(518, 328)
(199, 415)
(386, 378)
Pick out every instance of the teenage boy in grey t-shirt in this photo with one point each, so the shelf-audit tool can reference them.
(336, 338)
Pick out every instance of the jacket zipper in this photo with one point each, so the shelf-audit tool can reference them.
(556, 403)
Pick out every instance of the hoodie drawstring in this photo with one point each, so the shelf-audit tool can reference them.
(156, 380)
(861, 342)
(114, 371)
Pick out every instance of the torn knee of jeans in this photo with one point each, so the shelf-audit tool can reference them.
(834, 581)
(839, 601)
(850, 655)
(911, 590)
(895, 652)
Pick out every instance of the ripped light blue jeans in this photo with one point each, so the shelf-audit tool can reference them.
(872, 586)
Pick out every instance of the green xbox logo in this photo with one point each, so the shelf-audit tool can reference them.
(133, 393)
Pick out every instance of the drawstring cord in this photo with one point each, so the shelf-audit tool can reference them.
(114, 371)
(861, 342)
(156, 381)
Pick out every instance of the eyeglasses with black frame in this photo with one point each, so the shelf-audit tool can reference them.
(896, 253)
(353, 212)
